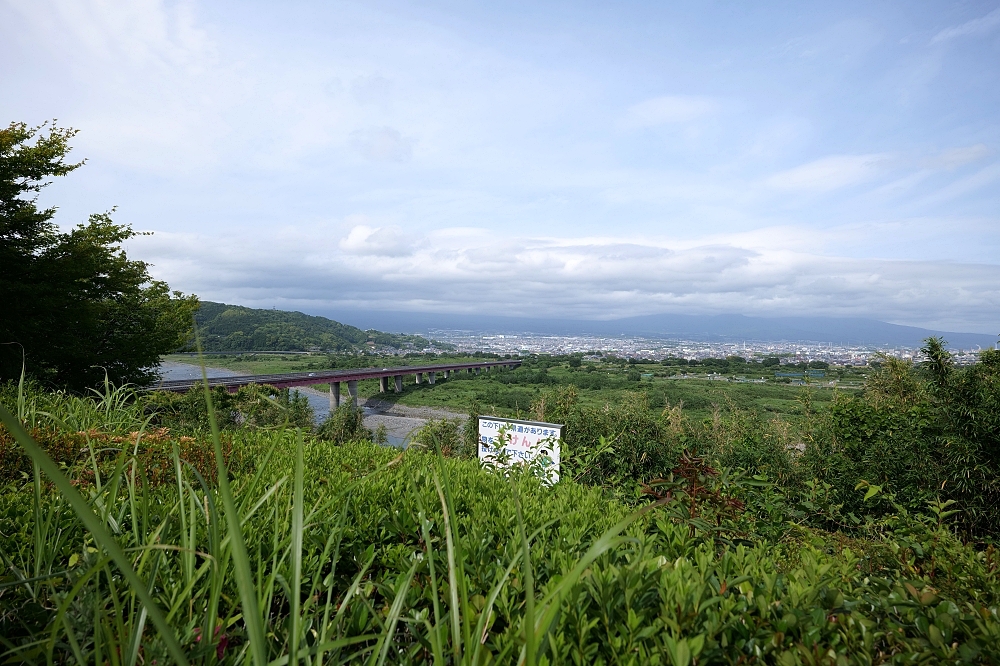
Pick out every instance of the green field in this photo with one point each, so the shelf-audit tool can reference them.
(512, 393)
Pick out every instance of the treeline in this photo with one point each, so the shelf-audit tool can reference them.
(236, 328)
(727, 365)
(917, 434)
(740, 364)
(516, 389)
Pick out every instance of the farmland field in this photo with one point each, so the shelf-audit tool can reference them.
(513, 393)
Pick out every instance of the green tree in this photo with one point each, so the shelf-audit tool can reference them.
(73, 306)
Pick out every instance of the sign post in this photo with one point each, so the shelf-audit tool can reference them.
(508, 441)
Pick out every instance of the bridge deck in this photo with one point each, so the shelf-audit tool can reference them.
(289, 379)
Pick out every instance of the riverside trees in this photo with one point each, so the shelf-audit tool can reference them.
(73, 306)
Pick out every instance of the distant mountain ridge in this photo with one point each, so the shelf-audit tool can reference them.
(235, 328)
(727, 327)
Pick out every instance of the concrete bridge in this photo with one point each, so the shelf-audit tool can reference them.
(421, 374)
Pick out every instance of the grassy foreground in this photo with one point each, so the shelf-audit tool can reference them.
(131, 544)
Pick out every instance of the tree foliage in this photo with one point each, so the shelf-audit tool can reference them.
(75, 307)
(918, 433)
(251, 406)
(241, 329)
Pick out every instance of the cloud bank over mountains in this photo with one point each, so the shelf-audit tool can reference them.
(603, 163)
(474, 271)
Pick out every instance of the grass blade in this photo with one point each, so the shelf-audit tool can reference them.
(553, 600)
(96, 528)
(296, 600)
(530, 656)
(456, 627)
(241, 561)
(323, 647)
(435, 632)
(495, 592)
(385, 642)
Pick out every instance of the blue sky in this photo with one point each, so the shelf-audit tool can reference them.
(537, 159)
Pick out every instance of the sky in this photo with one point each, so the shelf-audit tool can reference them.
(536, 159)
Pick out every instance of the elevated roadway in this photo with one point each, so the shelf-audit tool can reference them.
(421, 374)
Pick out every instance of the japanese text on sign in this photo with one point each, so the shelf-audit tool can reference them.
(505, 441)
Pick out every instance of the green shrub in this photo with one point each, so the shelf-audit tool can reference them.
(918, 433)
(445, 434)
(251, 406)
(743, 440)
(621, 443)
(374, 522)
(87, 455)
(345, 424)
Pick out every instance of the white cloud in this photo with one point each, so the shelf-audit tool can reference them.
(830, 173)
(978, 26)
(142, 80)
(482, 272)
(668, 109)
(956, 157)
(964, 186)
(930, 166)
(131, 34)
(376, 241)
(477, 164)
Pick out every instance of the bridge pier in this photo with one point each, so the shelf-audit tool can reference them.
(469, 370)
(447, 373)
(334, 396)
(398, 380)
(430, 377)
(383, 384)
(419, 377)
(352, 390)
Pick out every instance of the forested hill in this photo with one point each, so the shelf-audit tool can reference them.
(236, 328)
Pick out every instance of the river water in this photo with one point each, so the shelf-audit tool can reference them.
(400, 422)
(170, 371)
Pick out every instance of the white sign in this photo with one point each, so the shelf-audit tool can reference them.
(520, 441)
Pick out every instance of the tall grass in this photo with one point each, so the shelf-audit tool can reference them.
(110, 409)
(171, 558)
(322, 554)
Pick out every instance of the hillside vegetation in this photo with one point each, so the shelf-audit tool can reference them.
(142, 528)
(236, 328)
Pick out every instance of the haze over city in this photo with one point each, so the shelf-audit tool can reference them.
(583, 160)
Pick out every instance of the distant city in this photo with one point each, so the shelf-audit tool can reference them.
(659, 348)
